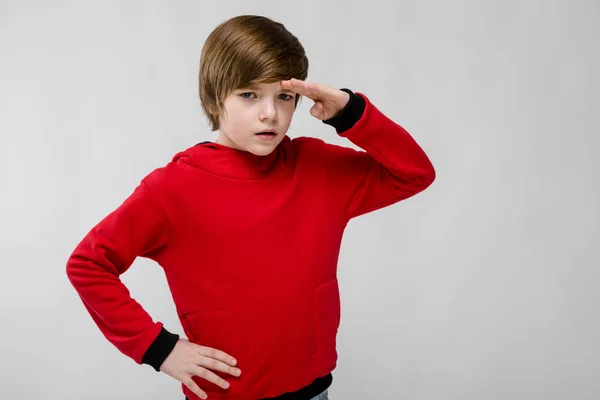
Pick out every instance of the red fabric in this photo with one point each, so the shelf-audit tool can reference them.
(249, 246)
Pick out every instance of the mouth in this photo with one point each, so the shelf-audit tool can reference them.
(267, 134)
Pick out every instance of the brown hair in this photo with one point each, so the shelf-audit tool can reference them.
(244, 50)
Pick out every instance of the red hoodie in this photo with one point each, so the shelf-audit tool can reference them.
(249, 246)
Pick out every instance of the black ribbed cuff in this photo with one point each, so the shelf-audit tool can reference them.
(350, 114)
(160, 349)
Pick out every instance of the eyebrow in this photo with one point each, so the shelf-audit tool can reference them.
(255, 87)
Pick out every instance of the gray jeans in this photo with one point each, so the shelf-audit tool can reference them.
(322, 396)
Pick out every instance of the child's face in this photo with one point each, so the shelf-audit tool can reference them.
(248, 111)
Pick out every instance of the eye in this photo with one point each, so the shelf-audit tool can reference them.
(248, 96)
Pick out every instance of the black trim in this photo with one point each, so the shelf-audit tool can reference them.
(309, 392)
(350, 114)
(160, 349)
(317, 387)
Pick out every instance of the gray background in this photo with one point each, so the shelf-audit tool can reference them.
(485, 286)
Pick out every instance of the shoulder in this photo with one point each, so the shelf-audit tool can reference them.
(304, 142)
(307, 149)
(164, 179)
(174, 167)
(312, 146)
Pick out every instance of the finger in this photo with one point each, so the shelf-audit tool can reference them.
(210, 376)
(216, 365)
(217, 354)
(310, 90)
(195, 388)
(317, 109)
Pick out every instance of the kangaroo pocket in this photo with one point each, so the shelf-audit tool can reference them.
(327, 310)
(218, 330)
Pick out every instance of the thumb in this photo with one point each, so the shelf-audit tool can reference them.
(316, 110)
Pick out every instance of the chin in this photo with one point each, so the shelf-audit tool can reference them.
(261, 150)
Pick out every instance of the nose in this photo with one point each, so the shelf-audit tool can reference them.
(268, 110)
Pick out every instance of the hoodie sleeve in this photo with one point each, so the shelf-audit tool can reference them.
(136, 228)
(392, 167)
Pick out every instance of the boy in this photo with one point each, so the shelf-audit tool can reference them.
(248, 229)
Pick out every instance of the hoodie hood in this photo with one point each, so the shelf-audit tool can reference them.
(228, 162)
